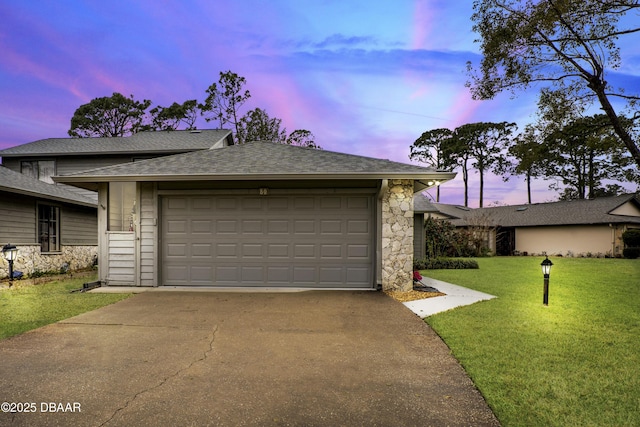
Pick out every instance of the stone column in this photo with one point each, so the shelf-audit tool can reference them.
(397, 236)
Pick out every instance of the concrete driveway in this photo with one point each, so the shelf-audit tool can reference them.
(318, 358)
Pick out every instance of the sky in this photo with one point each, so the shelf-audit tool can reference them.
(365, 77)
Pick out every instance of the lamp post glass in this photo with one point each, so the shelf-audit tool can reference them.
(546, 266)
(10, 253)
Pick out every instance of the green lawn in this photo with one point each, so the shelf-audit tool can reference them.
(573, 363)
(24, 307)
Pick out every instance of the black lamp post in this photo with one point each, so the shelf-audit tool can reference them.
(546, 271)
(10, 253)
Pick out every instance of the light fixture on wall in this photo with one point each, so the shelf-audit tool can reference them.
(10, 253)
(546, 272)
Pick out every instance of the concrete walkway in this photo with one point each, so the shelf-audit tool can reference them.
(456, 296)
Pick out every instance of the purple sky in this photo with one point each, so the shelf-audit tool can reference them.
(366, 78)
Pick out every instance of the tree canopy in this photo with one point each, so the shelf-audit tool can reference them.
(118, 115)
(170, 118)
(582, 155)
(569, 45)
(224, 100)
(528, 156)
(486, 144)
(479, 145)
(429, 149)
(109, 116)
(256, 125)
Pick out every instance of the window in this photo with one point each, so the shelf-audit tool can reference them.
(39, 169)
(122, 206)
(49, 228)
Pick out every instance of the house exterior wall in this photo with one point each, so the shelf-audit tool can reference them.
(19, 221)
(31, 260)
(72, 164)
(19, 226)
(397, 235)
(628, 209)
(78, 226)
(566, 240)
(121, 262)
(18, 215)
(147, 227)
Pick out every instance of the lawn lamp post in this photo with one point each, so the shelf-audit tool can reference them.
(546, 271)
(10, 253)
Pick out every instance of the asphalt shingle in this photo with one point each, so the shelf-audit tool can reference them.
(571, 212)
(258, 159)
(14, 182)
(142, 142)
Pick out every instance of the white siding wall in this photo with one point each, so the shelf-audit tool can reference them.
(121, 265)
(148, 234)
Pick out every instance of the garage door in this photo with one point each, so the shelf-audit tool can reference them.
(323, 241)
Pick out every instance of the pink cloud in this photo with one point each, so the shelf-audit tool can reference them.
(422, 23)
(462, 109)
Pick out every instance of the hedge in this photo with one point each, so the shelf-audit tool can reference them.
(631, 253)
(445, 264)
(631, 239)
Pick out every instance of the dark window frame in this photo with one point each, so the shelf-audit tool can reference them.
(48, 228)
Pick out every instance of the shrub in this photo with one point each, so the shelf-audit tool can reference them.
(631, 238)
(631, 253)
(445, 264)
(443, 239)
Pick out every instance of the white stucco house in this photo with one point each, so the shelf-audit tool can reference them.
(591, 227)
(257, 215)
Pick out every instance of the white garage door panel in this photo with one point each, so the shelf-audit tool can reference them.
(310, 241)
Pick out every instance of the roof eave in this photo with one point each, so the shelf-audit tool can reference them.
(103, 153)
(48, 197)
(438, 177)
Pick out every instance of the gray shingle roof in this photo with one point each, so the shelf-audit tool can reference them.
(142, 142)
(573, 212)
(14, 182)
(422, 205)
(259, 160)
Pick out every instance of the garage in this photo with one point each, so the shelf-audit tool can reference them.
(259, 215)
(310, 239)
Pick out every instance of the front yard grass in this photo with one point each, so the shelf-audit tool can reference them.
(27, 306)
(574, 362)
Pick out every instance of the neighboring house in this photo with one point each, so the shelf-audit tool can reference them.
(27, 188)
(257, 214)
(568, 228)
(50, 225)
(45, 158)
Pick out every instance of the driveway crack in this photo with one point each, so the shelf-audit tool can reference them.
(162, 382)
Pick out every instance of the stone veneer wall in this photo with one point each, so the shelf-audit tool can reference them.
(31, 260)
(397, 236)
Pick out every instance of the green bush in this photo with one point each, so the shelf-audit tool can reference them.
(631, 253)
(443, 239)
(631, 238)
(444, 264)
